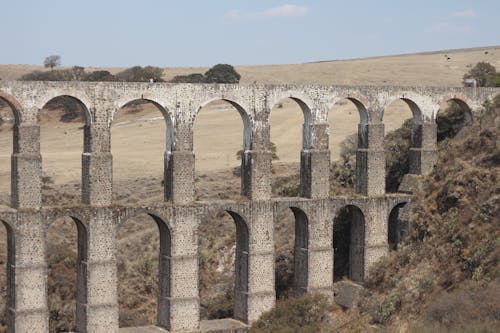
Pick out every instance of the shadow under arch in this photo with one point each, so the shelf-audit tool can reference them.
(291, 259)
(397, 227)
(241, 268)
(348, 244)
(454, 113)
(463, 102)
(80, 268)
(235, 307)
(10, 113)
(163, 279)
(9, 288)
(301, 252)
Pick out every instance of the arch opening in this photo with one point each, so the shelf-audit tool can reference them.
(291, 254)
(144, 261)
(348, 244)
(452, 116)
(142, 137)
(344, 120)
(7, 123)
(220, 153)
(397, 227)
(66, 253)
(290, 123)
(401, 118)
(64, 124)
(224, 266)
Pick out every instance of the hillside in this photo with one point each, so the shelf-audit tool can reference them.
(445, 276)
(440, 68)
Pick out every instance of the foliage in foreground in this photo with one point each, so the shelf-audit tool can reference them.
(446, 272)
(306, 314)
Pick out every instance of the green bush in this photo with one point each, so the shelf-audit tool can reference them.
(140, 74)
(222, 73)
(306, 314)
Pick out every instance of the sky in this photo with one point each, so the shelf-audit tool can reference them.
(167, 33)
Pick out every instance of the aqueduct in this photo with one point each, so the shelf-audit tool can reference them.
(178, 216)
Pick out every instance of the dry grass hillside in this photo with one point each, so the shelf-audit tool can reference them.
(440, 68)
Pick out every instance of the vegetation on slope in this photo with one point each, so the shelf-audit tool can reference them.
(445, 275)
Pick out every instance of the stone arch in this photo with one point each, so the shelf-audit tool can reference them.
(417, 115)
(361, 102)
(14, 105)
(169, 120)
(304, 106)
(163, 279)
(396, 226)
(71, 161)
(466, 104)
(82, 101)
(349, 243)
(245, 117)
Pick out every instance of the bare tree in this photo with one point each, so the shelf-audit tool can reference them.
(52, 61)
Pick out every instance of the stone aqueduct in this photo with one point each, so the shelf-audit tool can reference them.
(98, 219)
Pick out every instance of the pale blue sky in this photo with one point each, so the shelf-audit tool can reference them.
(206, 32)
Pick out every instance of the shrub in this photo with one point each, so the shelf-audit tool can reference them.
(482, 72)
(306, 314)
(140, 74)
(222, 73)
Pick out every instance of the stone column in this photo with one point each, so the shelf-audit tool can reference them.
(27, 309)
(320, 252)
(97, 166)
(180, 167)
(97, 296)
(315, 164)
(256, 164)
(184, 302)
(376, 232)
(26, 168)
(261, 291)
(423, 151)
(370, 160)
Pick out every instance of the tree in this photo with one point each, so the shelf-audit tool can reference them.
(482, 72)
(52, 61)
(190, 78)
(222, 73)
(141, 74)
(99, 76)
